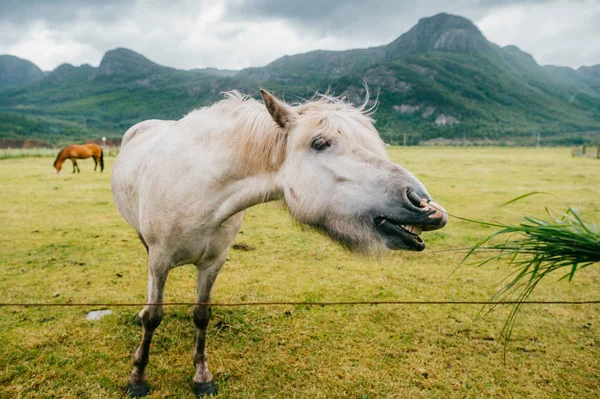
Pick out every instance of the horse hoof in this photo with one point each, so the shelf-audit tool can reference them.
(202, 389)
(137, 390)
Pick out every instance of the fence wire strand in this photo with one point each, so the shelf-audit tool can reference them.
(291, 303)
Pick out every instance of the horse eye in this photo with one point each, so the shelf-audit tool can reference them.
(320, 144)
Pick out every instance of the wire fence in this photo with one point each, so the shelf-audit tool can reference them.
(292, 303)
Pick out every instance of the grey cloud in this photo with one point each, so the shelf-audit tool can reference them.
(153, 28)
(61, 11)
(318, 18)
(376, 19)
(22, 18)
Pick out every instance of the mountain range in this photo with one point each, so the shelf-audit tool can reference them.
(440, 80)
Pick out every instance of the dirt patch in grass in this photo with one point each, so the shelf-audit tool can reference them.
(242, 246)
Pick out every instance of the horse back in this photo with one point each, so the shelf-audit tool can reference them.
(79, 151)
(95, 149)
(141, 129)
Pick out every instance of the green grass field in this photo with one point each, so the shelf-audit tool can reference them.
(62, 240)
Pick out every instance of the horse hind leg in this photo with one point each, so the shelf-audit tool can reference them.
(152, 315)
(138, 319)
(95, 163)
(203, 379)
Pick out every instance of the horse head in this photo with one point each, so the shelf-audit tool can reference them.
(58, 164)
(336, 176)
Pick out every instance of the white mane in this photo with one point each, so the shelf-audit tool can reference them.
(261, 145)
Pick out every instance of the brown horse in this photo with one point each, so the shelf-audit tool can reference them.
(75, 151)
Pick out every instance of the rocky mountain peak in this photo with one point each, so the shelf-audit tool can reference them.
(122, 61)
(443, 31)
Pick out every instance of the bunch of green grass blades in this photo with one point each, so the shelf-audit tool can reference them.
(535, 248)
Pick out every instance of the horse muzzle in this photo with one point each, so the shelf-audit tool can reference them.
(401, 228)
(439, 217)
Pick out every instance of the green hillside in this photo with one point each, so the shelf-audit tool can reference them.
(441, 79)
(15, 71)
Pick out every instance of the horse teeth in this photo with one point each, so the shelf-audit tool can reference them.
(416, 230)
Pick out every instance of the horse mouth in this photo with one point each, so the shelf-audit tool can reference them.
(400, 236)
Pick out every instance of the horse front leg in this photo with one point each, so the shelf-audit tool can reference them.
(203, 379)
(152, 315)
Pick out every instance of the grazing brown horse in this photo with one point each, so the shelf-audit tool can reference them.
(75, 151)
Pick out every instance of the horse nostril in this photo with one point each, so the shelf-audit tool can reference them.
(414, 198)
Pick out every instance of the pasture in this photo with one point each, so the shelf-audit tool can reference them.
(62, 240)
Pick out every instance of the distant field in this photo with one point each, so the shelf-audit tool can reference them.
(62, 240)
(6, 153)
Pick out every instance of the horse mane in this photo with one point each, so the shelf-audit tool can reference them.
(260, 144)
(327, 102)
(336, 115)
(257, 142)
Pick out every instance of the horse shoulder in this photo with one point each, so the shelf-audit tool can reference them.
(69, 150)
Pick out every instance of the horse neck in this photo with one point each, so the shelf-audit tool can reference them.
(250, 149)
(244, 190)
(60, 158)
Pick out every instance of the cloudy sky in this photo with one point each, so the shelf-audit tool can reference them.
(235, 34)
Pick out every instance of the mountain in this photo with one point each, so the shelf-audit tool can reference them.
(592, 71)
(315, 64)
(584, 79)
(442, 32)
(68, 72)
(15, 71)
(122, 61)
(441, 79)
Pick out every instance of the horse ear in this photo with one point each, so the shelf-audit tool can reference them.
(281, 113)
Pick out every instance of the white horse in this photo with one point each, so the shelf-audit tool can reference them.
(183, 185)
